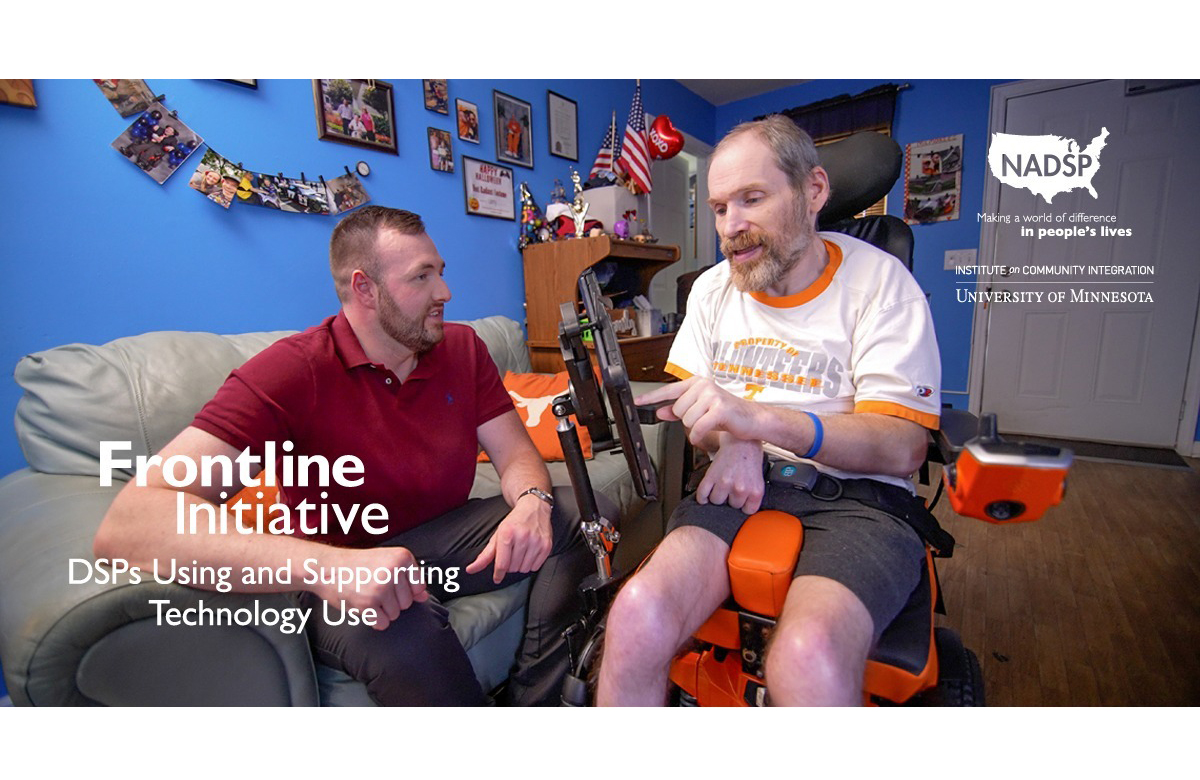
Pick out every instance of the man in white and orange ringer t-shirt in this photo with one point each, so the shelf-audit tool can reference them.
(812, 348)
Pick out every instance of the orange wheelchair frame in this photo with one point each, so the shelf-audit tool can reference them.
(990, 479)
(984, 476)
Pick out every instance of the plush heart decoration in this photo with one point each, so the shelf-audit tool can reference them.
(665, 140)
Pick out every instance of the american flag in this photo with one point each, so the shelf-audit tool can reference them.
(635, 153)
(609, 153)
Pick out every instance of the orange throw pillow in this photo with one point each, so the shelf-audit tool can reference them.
(533, 394)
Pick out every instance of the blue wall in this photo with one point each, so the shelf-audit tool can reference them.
(92, 249)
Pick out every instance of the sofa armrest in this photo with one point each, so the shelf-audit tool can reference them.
(98, 643)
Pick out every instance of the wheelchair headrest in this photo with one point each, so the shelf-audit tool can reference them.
(862, 169)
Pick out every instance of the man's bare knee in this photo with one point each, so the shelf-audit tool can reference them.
(804, 652)
(820, 647)
(656, 611)
(642, 615)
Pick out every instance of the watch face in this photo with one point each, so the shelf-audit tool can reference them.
(363, 168)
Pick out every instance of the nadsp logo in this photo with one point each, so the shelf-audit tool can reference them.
(1045, 165)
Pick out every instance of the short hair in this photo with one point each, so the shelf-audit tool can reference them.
(352, 245)
(794, 151)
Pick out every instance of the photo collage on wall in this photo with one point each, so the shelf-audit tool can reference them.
(159, 142)
(225, 183)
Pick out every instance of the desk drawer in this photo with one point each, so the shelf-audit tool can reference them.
(645, 357)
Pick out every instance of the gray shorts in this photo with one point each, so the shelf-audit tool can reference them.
(877, 556)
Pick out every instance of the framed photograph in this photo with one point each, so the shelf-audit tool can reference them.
(440, 157)
(514, 129)
(360, 112)
(468, 120)
(17, 92)
(488, 189)
(564, 126)
(932, 180)
(437, 95)
(247, 83)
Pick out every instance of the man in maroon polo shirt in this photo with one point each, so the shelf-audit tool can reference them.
(412, 397)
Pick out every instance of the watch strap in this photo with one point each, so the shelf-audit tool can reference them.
(538, 492)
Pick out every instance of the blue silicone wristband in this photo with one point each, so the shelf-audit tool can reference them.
(818, 436)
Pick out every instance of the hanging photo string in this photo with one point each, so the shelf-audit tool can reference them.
(226, 183)
(158, 142)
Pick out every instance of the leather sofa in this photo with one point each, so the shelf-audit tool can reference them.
(98, 644)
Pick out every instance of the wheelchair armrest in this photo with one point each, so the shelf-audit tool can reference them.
(762, 560)
(956, 429)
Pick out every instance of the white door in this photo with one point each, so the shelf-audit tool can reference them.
(679, 215)
(671, 205)
(1111, 372)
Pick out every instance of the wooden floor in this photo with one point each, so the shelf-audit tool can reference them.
(1098, 603)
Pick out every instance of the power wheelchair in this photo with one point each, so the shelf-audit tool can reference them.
(984, 477)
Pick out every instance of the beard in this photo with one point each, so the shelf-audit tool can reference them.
(781, 252)
(412, 332)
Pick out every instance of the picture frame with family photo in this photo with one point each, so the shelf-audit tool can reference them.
(359, 112)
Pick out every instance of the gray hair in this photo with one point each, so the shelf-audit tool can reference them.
(793, 149)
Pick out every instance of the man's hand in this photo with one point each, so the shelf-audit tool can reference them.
(705, 408)
(735, 476)
(521, 543)
(388, 599)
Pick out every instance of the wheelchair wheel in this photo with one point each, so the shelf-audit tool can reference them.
(960, 677)
(580, 683)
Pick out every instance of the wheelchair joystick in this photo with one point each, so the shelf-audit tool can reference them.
(990, 473)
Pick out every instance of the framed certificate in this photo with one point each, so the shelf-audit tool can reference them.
(564, 126)
(488, 189)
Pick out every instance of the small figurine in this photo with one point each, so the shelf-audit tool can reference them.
(643, 235)
(621, 228)
(533, 224)
(580, 207)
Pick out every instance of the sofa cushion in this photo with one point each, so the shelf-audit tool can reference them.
(146, 389)
(532, 395)
(143, 389)
(505, 342)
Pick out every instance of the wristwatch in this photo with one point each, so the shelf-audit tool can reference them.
(533, 491)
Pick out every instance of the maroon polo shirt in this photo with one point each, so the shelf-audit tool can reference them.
(417, 439)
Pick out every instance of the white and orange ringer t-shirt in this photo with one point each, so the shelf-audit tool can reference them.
(858, 339)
